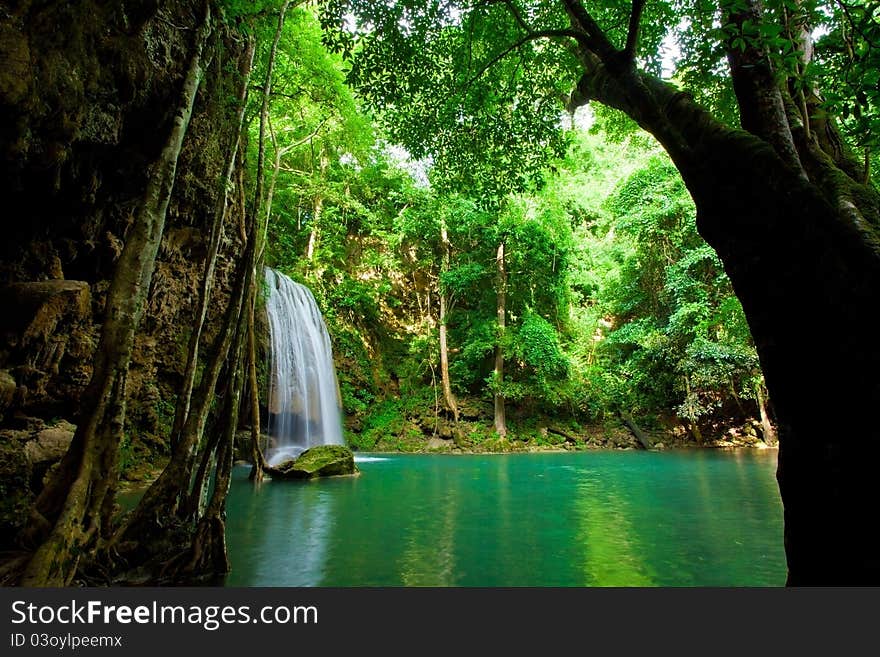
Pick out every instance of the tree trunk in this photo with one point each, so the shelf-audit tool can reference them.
(273, 181)
(260, 228)
(313, 234)
(501, 283)
(198, 494)
(448, 395)
(280, 152)
(694, 428)
(808, 262)
(208, 550)
(644, 441)
(795, 250)
(766, 425)
(762, 110)
(259, 462)
(164, 495)
(89, 470)
(264, 111)
(318, 209)
(693, 423)
(184, 399)
(451, 402)
(811, 119)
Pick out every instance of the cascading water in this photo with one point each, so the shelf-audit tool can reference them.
(304, 408)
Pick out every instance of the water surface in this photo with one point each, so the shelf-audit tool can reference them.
(608, 518)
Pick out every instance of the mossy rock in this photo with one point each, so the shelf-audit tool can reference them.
(320, 461)
(16, 496)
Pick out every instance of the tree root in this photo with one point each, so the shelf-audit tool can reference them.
(12, 567)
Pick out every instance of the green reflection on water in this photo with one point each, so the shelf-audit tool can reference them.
(695, 518)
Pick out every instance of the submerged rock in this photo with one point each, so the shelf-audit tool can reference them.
(320, 461)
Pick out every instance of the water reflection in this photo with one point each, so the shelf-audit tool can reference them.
(428, 557)
(286, 528)
(612, 553)
(597, 519)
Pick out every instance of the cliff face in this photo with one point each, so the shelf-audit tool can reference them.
(86, 95)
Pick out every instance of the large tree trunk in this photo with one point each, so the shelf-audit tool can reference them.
(86, 481)
(501, 291)
(800, 254)
(796, 263)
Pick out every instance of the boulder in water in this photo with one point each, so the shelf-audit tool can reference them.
(319, 461)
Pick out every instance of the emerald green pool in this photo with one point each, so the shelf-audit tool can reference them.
(615, 518)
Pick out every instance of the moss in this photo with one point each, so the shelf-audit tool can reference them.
(15, 492)
(384, 420)
(165, 409)
(15, 74)
(320, 461)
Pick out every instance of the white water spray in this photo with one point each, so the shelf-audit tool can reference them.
(304, 408)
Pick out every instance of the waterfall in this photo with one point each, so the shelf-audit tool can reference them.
(304, 407)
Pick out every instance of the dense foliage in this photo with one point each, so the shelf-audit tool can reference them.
(501, 252)
(613, 301)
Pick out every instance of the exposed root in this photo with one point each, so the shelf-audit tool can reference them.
(12, 567)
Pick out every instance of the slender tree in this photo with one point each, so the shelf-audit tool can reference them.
(257, 210)
(501, 315)
(448, 395)
(184, 399)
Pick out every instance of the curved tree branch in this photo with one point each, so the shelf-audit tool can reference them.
(515, 12)
(593, 37)
(531, 36)
(758, 94)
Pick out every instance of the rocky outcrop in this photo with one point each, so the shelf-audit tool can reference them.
(438, 445)
(7, 392)
(47, 341)
(49, 446)
(320, 461)
(16, 495)
(27, 454)
(87, 95)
